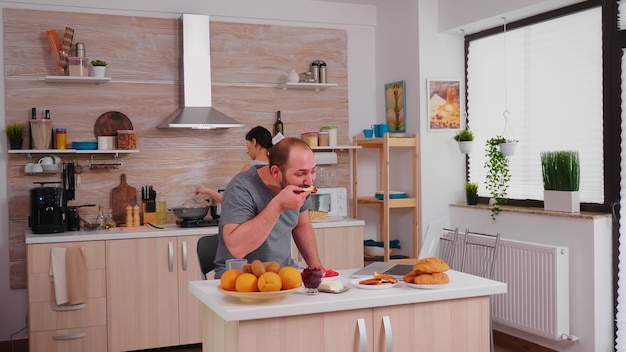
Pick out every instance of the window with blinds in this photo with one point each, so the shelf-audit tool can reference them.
(548, 76)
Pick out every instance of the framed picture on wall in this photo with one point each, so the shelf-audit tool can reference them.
(395, 106)
(444, 108)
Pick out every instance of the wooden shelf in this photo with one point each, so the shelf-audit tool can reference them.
(385, 146)
(312, 86)
(77, 79)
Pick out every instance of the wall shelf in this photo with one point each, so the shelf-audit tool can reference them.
(30, 152)
(335, 147)
(300, 85)
(77, 79)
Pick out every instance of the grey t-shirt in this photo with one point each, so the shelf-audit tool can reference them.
(244, 198)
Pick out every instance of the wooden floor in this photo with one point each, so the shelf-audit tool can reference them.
(503, 343)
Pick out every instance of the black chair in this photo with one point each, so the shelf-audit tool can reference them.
(207, 249)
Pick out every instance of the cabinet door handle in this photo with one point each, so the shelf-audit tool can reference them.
(388, 335)
(66, 308)
(75, 336)
(362, 334)
(170, 252)
(184, 255)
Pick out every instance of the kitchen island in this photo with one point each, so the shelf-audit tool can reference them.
(137, 281)
(450, 318)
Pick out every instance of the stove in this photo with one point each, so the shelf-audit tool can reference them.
(197, 222)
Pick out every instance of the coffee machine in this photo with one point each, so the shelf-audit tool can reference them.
(48, 208)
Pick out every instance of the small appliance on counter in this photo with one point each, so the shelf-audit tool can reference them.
(333, 200)
(48, 208)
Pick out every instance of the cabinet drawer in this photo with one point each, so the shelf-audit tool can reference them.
(39, 255)
(93, 339)
(42, 315)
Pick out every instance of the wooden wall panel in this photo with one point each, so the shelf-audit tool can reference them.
(247, 62)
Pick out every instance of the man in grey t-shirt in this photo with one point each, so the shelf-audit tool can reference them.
(263, 207)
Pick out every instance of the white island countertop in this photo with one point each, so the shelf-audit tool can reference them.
(147, 231)
(298, 303)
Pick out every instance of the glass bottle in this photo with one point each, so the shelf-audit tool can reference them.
(109, 222)
(100, 217)
(161, 208)
(278, 125)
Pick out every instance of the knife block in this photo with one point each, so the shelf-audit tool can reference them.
(148, 217)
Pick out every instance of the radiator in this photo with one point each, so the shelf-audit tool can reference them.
(537, 278)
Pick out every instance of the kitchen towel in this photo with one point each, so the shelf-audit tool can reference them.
(58, 274)
(76, 273)
(68, 269)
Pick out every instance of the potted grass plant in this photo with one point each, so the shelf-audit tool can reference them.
(498, 174)
(465, 139)
(15, 134)
(561, 180)
(471, 193)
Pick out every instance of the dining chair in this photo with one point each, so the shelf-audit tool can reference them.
(207, 249)
(479, 258)
(451, 247)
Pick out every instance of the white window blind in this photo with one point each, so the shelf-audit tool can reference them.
(620, 317)
(552, 89)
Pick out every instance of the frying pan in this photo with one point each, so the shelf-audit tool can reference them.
(191, 213)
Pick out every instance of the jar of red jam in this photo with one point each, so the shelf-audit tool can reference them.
(126, 139)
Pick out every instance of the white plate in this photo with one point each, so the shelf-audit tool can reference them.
(355, 283)
(428, 286)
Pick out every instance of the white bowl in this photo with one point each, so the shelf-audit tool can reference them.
(376, 251)
(50, 168)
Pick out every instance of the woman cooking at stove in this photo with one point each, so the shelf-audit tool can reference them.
(258, 143)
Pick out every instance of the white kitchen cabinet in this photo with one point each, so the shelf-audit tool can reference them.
(339, 247)
(66, 328)
(149, 303)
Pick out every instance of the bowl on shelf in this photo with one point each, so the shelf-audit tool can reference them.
(375, 251)
(85, 145)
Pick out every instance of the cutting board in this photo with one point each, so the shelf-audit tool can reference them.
(121, 197)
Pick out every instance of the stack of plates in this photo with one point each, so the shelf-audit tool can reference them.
(392, 195)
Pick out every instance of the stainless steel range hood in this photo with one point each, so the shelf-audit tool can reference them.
(196, 111)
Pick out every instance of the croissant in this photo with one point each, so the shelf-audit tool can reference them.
(430, 265)
(431, 279)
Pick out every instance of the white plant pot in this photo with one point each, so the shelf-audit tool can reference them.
(507, 149)
(98, 71)
(466, 146)
(563, 201)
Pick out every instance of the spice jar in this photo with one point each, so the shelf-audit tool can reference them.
(126, 139)
(322, 139)
(310, 138)
(332, 134)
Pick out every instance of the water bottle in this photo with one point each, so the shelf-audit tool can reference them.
(161, 209)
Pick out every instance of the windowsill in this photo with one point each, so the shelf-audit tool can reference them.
(533, 210)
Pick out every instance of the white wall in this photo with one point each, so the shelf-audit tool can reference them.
(358, 20)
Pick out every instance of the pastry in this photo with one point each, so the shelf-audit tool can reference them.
(318, 214)
(430, 265)
(385, 278)
(431, 279)
(311, 189)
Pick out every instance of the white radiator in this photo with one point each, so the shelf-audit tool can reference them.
(537, 278)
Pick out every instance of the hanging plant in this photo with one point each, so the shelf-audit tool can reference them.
(465, 139)
(498, 175)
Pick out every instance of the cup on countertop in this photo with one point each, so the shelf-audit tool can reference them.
(235, 263)
(46, 160)
(368, 133)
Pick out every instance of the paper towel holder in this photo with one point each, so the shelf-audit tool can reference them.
(325, 158)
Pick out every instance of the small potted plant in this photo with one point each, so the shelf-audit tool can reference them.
(561, 180)
(15, 135)
(465, 139)
(498, 175)
(471, 193)
(99, 67)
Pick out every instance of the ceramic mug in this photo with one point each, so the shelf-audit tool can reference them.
(46, 160)
(28, 168)
(368, 133)
(36, 168)
(380, 129)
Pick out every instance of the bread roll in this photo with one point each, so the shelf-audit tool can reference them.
(431, 279)
(430, 265)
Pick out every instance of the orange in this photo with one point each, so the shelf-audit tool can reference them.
(269, 282)
(290, 277)
(246, 282)
(228, 278)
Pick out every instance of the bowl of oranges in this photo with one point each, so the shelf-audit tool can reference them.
(260, 282)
